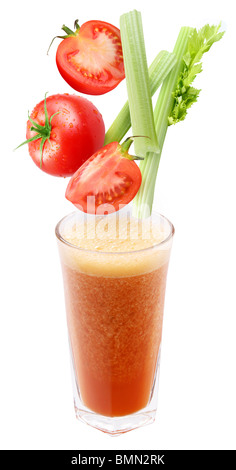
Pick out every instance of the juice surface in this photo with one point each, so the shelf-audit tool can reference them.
(114, 303)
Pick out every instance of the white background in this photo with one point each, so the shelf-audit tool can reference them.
(195, 189)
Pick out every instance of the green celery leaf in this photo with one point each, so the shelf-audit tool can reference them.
(185, 95)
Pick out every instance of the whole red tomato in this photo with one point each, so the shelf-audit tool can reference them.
(63, 131)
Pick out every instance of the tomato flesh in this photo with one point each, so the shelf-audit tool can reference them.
(105, 182)
(77, 131)
(92, 61)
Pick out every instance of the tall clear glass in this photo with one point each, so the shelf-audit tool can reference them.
(114, 304)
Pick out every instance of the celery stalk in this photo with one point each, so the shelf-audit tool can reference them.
(158, 71)
(137, 82)
(149, 167)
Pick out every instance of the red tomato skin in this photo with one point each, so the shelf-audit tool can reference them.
(76, 79)
(76, 133)
(106, 171)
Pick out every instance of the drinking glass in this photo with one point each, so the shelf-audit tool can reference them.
(114, 306)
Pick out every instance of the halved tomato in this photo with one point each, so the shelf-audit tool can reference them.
(91, 59)
(107, 181)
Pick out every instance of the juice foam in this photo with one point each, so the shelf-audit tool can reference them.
(116, 246)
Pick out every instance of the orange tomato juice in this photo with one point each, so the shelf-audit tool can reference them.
(114, 303)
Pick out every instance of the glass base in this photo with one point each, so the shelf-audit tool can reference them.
(115, 425)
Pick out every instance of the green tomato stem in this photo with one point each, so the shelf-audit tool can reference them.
(43, 132)
(68, 31)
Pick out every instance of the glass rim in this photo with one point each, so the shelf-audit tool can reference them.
(97, 252)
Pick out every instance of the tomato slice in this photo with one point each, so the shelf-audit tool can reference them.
(107, 181)
(91, 60)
